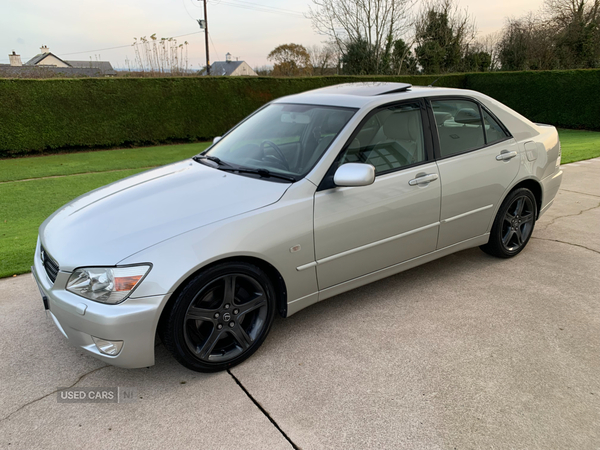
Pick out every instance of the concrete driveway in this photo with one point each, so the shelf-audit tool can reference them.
(467, 352)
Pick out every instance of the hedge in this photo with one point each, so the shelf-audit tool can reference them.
(62, 114)
(567, 99)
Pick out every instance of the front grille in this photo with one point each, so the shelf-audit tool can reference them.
(50, 265)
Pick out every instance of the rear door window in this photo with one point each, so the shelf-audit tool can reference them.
(459, 125)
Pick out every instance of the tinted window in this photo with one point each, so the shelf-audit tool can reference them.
(459, 125)
(493, 131)
(390, 139)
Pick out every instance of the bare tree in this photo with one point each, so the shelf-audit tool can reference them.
(564, 12)
(323, 58)
(576, 26)
(489, 44)
(528, 43)
(352, 22)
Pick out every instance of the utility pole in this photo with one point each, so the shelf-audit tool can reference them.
(206, 39)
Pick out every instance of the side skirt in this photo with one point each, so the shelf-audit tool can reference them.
(301, 303)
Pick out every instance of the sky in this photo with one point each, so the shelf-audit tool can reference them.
(248, 29)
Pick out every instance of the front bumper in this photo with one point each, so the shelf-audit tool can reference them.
(134, 321)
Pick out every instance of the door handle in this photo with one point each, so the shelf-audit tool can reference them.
(506, 155)
(423, 179)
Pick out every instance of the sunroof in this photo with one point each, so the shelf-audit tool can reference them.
(365, 89)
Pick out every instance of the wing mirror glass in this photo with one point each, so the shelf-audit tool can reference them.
(354, 174)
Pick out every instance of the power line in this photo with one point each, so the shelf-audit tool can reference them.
(123, 46)
(266, 6)
(186, 10)
(261, 8)
(214, 48)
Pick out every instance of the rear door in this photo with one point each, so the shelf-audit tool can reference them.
(359, 230)
(477, 160)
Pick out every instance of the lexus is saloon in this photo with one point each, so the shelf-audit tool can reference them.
(310, 196)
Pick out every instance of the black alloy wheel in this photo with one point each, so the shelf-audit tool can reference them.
(220, 318)
(513, 225)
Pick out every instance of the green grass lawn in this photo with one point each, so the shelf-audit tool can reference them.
(96, 161)
(578, 145)
(25, 204)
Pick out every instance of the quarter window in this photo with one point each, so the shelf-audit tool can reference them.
(390, 139)
(459, 125)
(493, 131)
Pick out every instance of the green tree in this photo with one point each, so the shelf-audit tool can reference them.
(359, 58)
(477, 61)
(403, 61)
(442, 35)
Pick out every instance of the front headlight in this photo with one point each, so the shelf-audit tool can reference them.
(106, 284)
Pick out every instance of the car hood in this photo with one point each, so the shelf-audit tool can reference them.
(111, 223)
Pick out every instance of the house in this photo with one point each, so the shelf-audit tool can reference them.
(231, 68)
(49, 62)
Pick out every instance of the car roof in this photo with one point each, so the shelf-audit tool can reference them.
(359, 95)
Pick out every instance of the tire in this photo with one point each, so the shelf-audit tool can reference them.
(220, 318)
(513, 225)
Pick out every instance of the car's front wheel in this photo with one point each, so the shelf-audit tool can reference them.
(220, 318)
(513, 224)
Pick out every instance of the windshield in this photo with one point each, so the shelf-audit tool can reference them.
(281, 138)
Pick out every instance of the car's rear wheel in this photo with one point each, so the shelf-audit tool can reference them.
(513, 224)
(220, 318)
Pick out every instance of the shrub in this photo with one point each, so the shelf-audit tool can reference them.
(53, 114)
(567, 99)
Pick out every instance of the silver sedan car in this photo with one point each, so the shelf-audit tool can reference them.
(312, 195)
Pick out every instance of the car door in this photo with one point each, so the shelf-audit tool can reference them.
(359, 230)
(477, 161)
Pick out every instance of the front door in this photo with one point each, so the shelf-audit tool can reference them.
(359, 230)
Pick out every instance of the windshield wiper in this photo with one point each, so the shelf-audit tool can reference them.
(214, 159)
(264, 173)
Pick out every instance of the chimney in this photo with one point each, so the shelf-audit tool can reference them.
(44, 49)
(15, 60)
(228, 57)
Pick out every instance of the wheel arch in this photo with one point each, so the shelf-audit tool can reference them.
(269, 269)
(536, 189)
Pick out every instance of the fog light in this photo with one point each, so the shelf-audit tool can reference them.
(111, 348)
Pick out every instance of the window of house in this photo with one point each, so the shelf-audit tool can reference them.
(390, 139)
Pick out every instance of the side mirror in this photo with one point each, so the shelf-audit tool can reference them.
(217, 139)
(354, 174)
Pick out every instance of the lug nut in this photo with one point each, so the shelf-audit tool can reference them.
(231, 324)
(226, 305)
(217, 315)
(235, 311)
(219, 326)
